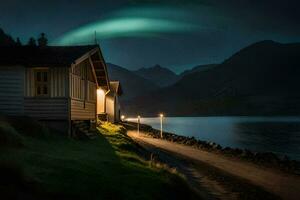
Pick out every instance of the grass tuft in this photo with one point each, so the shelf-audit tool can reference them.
(9, 137)
(30, 127)
(110, 128)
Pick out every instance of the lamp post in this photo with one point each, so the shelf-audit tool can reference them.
(138, 124)
(161, 125)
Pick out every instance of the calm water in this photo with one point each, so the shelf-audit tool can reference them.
(280, 135)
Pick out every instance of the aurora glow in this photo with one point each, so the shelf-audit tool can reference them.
(141, 33)
(137, 22)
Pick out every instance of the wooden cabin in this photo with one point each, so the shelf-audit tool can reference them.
(113, 108)
(56, 85)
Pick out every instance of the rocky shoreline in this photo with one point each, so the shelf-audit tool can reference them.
(267, 159)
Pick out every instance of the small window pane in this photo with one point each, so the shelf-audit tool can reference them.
(45, 90)
(38, 90)
(45, 76)
(38, 76)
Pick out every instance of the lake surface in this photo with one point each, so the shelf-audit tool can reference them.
(280, 135)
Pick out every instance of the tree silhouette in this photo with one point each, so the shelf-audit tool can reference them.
(32, 42)
(42, 40)
(6, 40)
(18, 42)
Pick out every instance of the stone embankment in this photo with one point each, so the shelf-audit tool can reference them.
(267, 159)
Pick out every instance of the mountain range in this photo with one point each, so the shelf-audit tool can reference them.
(159, 75)
(261, 79)
(145, 80)
(132, 84)
(198, 68)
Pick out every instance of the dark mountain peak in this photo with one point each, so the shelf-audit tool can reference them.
(132, 84)
(266, 42)
(198, 68)
(111, 65)
(155, 68)
(259, 52)
(261, 79)
(160, 75)
(159, 67)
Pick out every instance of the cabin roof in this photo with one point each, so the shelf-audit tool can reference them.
(50, 56)
(115, 87)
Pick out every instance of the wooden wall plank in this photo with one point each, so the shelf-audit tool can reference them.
(12, 90)
(79, 112)
(58, 78)
(83, 93)
(46, 108)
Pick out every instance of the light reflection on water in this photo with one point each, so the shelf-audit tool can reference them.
(280, 135)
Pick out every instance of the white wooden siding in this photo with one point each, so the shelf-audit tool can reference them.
(46, 108)
(110, 108)
(58, 82)
(81, 110)
(29, 90)
(11, 90)
(91, 91)
(82, 93)
(58, 78)
(117, 109)
(77, 87)
(54, 107)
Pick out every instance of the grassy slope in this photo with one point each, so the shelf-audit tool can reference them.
(43, 165)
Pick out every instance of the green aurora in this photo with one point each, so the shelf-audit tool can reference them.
(133, 22)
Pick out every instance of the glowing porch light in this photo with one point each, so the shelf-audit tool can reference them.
(138, 124)
(161, 125)
(100, 92)
(100, 101)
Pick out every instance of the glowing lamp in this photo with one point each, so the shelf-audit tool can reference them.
(100, 92)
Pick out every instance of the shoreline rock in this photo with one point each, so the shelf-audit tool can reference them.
(268, 159)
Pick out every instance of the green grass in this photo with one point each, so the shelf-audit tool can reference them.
(9, 137)
(48, 166)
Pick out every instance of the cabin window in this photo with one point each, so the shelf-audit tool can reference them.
(41, 82)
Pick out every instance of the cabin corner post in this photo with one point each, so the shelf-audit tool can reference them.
(69, 89)
(95, 76)
(96, 115)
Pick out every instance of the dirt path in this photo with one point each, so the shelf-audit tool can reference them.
(283, 185)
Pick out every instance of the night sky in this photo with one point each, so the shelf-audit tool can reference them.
(141, 33)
